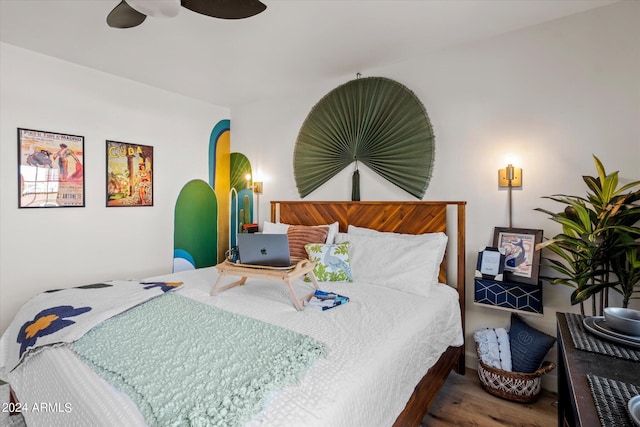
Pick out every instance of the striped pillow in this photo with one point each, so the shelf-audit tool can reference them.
(300, 235)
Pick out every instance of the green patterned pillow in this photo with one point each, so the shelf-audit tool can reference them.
(332, 261)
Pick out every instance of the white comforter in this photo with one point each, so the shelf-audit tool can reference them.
(379, 346)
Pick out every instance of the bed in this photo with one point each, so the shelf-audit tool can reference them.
(409, 218)
(385, 355)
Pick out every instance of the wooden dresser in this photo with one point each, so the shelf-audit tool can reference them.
(576, 406)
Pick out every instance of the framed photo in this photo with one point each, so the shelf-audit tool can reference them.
(129, 174)
(50, 169)
(491, 264)
(522, 261)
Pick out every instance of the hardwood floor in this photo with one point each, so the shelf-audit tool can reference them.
(463, 402)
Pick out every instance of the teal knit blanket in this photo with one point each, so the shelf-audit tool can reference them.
(185, 363)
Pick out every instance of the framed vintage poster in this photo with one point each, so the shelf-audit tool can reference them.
(50, 169)
(522, 261)
(129, 174)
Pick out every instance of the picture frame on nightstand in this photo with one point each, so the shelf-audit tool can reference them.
(522, 260)
(490, 264)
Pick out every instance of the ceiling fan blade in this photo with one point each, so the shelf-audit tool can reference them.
(156, 8)
(225, 9)
(124, 16)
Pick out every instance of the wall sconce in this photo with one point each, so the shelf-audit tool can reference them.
(256, 187)
(510, 177)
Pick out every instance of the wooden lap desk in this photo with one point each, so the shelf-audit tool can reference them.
(285, 274)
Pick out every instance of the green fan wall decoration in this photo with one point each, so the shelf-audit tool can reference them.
(375, 121)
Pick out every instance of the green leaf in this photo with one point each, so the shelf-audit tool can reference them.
(598, 247)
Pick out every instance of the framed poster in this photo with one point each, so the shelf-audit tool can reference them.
(129, 174)
(50, 169)
(522, 261)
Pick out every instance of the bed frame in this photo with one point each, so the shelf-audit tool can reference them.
(399, 217)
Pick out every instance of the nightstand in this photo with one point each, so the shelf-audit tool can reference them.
(510, 296)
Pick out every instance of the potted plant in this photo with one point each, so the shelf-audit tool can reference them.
(599, 247)
(626, 266)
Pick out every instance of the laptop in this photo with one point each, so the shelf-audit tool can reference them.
(264, 249)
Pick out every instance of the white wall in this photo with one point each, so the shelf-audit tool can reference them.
(49, 248)
(551, 96)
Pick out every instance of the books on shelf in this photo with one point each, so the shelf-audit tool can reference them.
(322, 300)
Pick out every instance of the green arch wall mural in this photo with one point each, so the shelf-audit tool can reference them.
(375, 121)
(195, 234)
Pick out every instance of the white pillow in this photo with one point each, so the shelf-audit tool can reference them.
(438, 237)
(409, 265)
(274, 228)
(361, 231)
(280, 228)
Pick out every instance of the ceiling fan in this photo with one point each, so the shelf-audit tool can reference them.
(130, 13)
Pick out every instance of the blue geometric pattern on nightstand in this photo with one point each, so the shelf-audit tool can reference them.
(515, 296)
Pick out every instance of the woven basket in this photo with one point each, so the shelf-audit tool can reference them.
(515, 386)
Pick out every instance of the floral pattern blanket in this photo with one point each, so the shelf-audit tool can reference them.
(62, 316)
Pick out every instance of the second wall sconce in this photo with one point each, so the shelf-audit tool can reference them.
(510, 177)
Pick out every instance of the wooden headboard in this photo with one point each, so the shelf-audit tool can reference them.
(399, 217)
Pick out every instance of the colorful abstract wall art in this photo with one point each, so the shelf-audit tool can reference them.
(208, 216)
